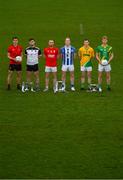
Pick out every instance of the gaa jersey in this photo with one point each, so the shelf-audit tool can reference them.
(32, 54)
(51, 55)
(104, 52)
(67, 53)
(86, 54)
(15, 51)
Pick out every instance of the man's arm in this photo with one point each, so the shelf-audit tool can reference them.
(25, 53)
(22, 55)
(8, 55)
(39, 54)
(111, 57)
(92, 54)
(44, 53)
(58, 54)
(79, 54)
(75, 55)
(98, 58)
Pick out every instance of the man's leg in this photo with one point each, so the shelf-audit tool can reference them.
(83, 80)
(72, 80)
(55, 84)
(37, 80)
(9, 79)
(47, 81)
(63, 80)
(89, 74)
(100, 81)
(19, 77)
(28, 80)
(100, 72)
(108, 80)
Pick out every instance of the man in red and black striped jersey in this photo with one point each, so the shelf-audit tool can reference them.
(14, 50)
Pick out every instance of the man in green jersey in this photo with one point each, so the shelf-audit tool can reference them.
(104, 56)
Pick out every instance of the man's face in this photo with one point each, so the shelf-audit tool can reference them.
(86, 43)
(15, 41)
(104, 40)
(32, 43)
(51, 43)
(67, 42)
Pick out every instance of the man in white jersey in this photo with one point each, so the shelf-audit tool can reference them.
(68, 54)
(33, 54)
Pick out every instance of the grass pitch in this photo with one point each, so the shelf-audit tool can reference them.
(72, 135)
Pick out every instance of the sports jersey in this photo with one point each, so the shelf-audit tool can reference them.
(32, 54)
(86, 54)
(15, 51)
(67, 53)
(104, 52)
(51, 54)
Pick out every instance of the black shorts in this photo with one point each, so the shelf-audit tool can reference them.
(15, 67)
(33, 68)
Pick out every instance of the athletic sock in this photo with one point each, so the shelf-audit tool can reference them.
(37, 87)
(8, 87)
(108, 87)
(72, 85)
(27, 85)
(89, 86)
(18, 86)
(99, 86)
(82, 85)
(63, 84)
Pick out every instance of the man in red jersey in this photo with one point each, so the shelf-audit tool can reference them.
(51, 55)
(14, 52)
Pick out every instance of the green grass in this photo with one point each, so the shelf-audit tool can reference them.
(72, 135)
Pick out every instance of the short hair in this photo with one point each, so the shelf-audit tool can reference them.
(15, 37)
(51, 40)
(104, 37)
(31, 39)
(86, 39)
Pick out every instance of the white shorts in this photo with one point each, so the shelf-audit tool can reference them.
(68, 68)
(50, 69)
(83, 68)
(106, 68)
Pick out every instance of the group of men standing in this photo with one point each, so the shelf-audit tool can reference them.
(51, 54)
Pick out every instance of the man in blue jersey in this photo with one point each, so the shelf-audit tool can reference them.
(68, 54)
